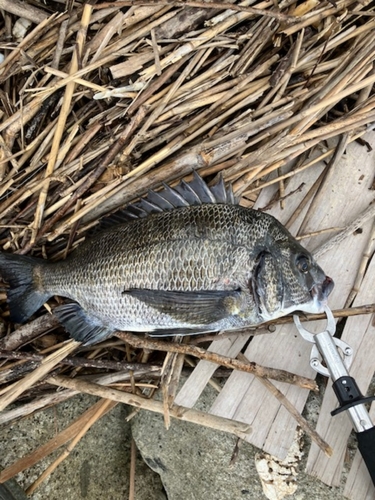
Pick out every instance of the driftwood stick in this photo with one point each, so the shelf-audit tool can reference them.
(48, 364)
(218, 359)
(337, 313)
(187, 414)
(205, 5)
(82, 362)
(28, 332)
(52, 399)
(37, 404)
(23, 9)
(350, 228)
(302, 422)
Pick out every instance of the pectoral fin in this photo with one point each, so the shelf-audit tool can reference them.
(80, 325)
(198, 307)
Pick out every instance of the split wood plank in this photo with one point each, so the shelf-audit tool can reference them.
(359, 333)
(194, 386)
(243, 398)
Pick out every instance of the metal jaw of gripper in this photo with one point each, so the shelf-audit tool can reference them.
(315, 356)
(350, 398)
(327, 348)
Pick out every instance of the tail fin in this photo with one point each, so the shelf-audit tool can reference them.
(24, 297)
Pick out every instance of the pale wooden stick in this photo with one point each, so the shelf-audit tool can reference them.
(362, 267)
(317, 233)
(55, 398)
(78, 81)
(180, 412)
(63, 116)
(25, 10)
(358, 222)
(35, 405)
(46, 366)
(235, 364)
(302, 422)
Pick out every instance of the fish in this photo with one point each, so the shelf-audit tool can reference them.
(180, 261)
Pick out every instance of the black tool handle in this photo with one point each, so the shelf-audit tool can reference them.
(366, 445)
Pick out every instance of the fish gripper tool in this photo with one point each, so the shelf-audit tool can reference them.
(337, 357)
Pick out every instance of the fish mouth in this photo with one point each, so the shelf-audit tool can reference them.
(320, 291)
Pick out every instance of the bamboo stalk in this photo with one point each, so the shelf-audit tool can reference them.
(63, 116)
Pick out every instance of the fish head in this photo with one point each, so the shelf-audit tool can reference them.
(286, 279)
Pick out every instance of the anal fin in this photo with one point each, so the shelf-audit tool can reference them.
(80, 326)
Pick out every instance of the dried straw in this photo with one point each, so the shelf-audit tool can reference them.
(98, 105)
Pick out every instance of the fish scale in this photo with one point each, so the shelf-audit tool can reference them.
(206, 264)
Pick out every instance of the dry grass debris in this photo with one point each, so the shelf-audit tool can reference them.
(102, 101)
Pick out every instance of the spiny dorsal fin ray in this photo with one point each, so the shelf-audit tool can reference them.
(201, 189)
(221, 194)
(184, 194)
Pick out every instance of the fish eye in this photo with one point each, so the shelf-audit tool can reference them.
(303, 264)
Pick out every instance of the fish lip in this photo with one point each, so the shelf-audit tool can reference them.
(320, 291)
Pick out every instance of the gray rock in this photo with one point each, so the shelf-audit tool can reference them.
(194, 462)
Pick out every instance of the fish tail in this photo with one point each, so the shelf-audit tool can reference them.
(26, 294)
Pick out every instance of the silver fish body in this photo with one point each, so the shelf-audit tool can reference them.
(187, 269)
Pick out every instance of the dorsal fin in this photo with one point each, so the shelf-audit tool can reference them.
(195, 192)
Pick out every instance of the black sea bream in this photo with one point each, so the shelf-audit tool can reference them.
(182, 261)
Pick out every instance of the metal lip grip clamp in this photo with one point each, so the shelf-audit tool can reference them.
(345, 387)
